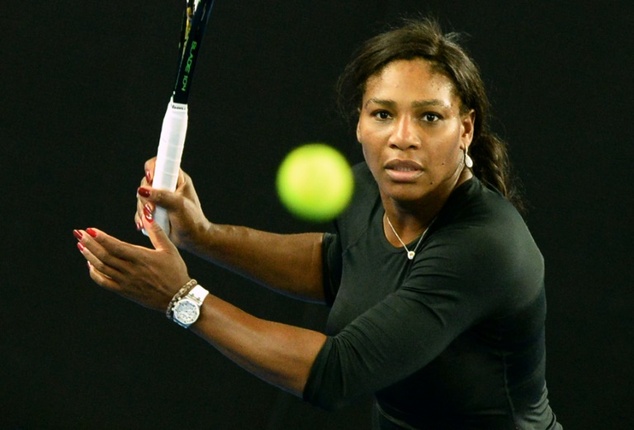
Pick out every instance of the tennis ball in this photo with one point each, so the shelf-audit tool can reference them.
(314, 182)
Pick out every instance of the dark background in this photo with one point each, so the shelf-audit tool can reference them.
(84, 88)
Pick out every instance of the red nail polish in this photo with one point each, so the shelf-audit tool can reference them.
(148, 213)
(77, 234)
(148, 176)
(80, 246)
(143, 192)
(91, 232)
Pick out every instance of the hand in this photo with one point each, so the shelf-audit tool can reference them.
(186, 216)
(146, 276)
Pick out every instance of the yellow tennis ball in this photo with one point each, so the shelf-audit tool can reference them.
(315, 182)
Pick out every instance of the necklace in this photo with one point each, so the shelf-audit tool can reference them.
(410, 253)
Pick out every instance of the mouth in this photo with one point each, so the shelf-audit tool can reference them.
(403, 170)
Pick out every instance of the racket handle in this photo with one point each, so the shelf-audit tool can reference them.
(168, 158)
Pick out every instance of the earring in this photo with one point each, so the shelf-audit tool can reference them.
(468, 161)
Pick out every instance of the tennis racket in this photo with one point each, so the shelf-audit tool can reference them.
(174, 129)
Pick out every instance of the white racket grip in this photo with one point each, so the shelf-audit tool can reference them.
(168, 157)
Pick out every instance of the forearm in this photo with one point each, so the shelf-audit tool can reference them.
(287, 263)
(279, 354)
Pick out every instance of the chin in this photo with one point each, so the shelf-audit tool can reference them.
(406, 193)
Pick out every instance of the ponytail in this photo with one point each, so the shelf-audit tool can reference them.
(492, 166)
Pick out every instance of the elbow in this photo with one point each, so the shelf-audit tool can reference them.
(333, 385)
(329, 397)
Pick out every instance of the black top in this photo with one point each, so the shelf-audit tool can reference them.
(452, 339)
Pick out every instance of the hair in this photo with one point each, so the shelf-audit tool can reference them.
(424, 39)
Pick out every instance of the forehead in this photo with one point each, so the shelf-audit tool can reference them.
(415, 78)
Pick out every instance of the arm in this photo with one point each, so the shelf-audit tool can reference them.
(290, 264)
(279, 354)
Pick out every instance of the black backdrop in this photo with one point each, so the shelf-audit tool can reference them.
(84, 87)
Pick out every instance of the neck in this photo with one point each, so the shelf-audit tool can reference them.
(411, 219)
(405, 227)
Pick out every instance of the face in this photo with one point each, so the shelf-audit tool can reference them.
(412, 133)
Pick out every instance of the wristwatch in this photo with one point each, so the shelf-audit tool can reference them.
(187, 310)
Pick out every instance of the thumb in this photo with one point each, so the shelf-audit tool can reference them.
(157, 235)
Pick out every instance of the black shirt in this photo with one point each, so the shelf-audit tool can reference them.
(453, 339)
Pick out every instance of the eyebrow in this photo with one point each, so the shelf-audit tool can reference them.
(416, 103)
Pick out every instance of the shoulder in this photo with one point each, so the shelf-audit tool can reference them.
(478, 212)
(480, 240)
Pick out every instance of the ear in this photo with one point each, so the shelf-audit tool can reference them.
(358, 132)
(468, 126)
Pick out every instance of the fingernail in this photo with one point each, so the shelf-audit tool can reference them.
(139, 226)
(143, 192)
(148, 213)
(148, 176)
(77, 234)
(80, 246)
(91, 232)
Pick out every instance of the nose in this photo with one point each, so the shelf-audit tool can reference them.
(404, 135)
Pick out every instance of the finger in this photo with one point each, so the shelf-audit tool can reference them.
(110, 250)
(95, 263)
(137, 221)
(159, 239)
(102, 279)
(149, 169)
(182, 178)
(145, 180)
(155, 197)
(140, 202)
(146, 194)
(144, 198)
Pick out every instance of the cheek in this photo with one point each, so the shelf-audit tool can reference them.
(448, 152)
(364, 152)
(369, 154)
(368, 142)
(362, 132)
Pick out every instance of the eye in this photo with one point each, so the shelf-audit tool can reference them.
(381, 115)
(431, 117)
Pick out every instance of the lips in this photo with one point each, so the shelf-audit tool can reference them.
(403, 170)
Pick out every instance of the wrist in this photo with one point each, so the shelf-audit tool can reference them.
(184, 290)
(184, 308)
(195, 240)
(201, 240)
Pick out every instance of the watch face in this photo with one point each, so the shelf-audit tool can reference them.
(186, 311)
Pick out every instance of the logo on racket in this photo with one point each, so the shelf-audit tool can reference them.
(188, 66)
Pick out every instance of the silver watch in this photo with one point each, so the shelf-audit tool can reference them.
(187, 310)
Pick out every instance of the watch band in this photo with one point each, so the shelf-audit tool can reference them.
(198, 293)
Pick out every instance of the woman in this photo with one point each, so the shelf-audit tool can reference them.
(435, 283)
